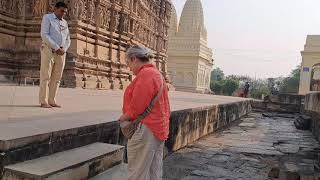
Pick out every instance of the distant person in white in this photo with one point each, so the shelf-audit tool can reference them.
(55, 43)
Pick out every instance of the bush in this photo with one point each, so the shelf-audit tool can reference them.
(216, 87)
(224, 87)
(229, 86)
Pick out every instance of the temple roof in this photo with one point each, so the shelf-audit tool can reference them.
(192, 20)
(190, 37)
(173, 22)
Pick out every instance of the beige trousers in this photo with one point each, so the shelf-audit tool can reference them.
(145, 156)
(51, 71)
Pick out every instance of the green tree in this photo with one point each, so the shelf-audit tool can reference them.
(230, 86)
(216, 87)
(291, 84)
(259, 87)
(217, 75)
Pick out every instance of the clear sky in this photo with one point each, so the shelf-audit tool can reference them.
(261, 38)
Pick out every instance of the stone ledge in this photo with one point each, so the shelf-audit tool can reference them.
(287, 103)
(190, 125)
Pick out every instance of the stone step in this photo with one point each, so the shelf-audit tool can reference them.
(31, 138)
(119, 172)
(76, 164)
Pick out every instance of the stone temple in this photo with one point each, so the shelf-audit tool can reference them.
(190, 60)
(101, 30)
(310, 67)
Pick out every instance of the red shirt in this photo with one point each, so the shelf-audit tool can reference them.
(140, 93)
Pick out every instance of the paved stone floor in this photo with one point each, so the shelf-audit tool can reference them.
(248, 150)
(17, 102)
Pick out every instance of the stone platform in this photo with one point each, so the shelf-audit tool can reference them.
(20, 115)
(21, 104)
(28, 132)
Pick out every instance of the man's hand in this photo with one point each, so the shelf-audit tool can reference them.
(60, 52)
(124, 117)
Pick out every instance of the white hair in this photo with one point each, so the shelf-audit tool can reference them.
(139, 51)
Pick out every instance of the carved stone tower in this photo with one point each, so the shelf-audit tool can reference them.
(190, 60)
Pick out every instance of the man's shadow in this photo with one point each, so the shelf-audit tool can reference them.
(19, 106)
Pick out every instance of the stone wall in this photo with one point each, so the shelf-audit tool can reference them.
(101, 30)
(189, 125)
(288, 103)
(312, 108)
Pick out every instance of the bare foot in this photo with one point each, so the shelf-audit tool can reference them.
(55, 105)
(46, 106)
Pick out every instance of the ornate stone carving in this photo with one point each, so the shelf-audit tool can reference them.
(39, 8)
(2, 4)
(82, 10)
(107, 19)
(74, 11)
(20, 7)
(91, 10)
(101, 14)
(125, 23)
(127, 3)
(116, 20)
(117, 1)
(11, 4)
(134, 22)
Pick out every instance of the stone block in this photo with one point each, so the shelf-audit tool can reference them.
(75, 164)
(105, 83)
(258, 105)
(288, 103)
(103, 52)
(7, 41)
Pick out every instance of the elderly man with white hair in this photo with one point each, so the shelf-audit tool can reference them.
(146, 105)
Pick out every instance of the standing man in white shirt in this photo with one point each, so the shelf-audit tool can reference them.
(55, 43)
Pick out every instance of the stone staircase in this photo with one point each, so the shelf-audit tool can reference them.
(96, 161)
(31, 150)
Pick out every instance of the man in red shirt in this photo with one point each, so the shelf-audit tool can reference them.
(145, 148)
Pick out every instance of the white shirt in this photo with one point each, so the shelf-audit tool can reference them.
(55, 32)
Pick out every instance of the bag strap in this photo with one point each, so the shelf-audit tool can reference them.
(147, 111)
